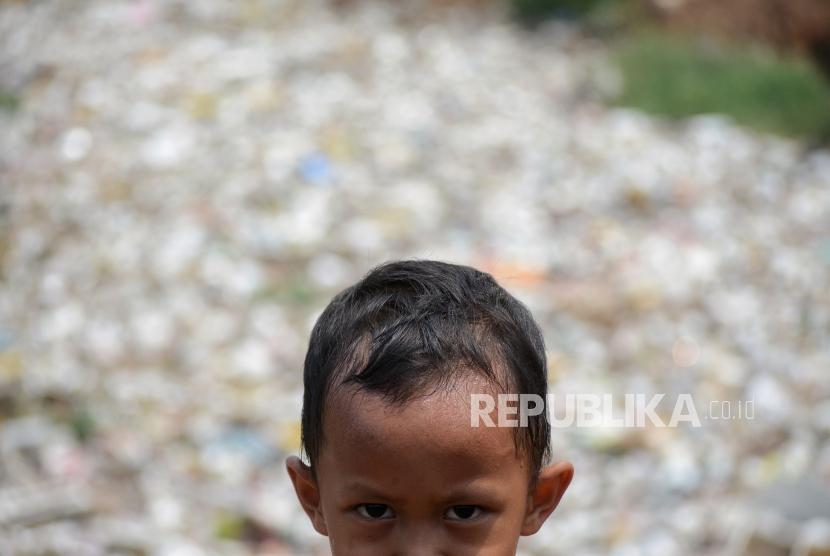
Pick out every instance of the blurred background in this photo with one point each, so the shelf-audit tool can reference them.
(184, 185)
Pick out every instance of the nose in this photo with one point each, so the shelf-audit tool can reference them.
(418, 539)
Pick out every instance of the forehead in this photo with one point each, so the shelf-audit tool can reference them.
(430, 435)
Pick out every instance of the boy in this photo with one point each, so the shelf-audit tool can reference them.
(395, 466)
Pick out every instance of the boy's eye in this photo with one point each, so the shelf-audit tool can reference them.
(463, 513)
(375, 511)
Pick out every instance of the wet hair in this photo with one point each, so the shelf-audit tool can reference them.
(413, 327)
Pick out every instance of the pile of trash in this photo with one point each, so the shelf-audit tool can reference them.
(184, 186)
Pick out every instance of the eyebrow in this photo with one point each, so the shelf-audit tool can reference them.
(367, 489)
(473, 489)
(476, 488)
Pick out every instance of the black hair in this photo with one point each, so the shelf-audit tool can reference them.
(412, 325)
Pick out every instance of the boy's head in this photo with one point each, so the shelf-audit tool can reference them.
(394, 465)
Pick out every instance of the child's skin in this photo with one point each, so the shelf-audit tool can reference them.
(418, 479)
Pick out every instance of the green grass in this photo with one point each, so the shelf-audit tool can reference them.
(535, 11)
(8, 101)
(679, 77)
(229, 526)
(83, 425)
(295, 292)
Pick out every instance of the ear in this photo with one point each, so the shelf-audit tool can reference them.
(307, 492)
(550, 486)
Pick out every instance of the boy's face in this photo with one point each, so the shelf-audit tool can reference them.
(418, 479)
